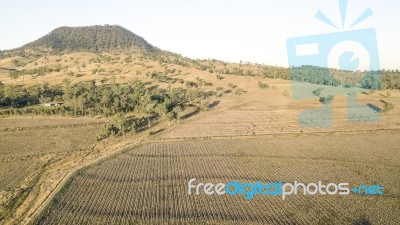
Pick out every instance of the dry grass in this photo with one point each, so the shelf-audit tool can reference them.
(30, 144)
(148, 185)
(277, 115)
(37, 122)
(13, 172)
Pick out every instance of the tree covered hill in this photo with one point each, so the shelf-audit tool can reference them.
(109, 38)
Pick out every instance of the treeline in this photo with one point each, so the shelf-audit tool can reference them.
(118, 101)
(384, 79)
(87, 98)
(18, 96)
(372, 80)
(40, 71)
(314, 75)
(391, 79)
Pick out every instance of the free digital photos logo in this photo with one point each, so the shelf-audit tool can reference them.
(341, 63)
(280, 188)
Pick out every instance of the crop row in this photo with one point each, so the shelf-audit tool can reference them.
(148, 185)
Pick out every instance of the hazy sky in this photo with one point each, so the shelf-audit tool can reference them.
(231, 30)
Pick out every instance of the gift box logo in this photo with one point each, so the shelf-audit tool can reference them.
(333, 64)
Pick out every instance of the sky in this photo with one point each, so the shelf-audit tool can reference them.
(247, 30)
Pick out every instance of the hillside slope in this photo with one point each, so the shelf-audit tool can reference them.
(92, 39)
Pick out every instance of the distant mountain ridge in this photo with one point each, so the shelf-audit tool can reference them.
(92, 39)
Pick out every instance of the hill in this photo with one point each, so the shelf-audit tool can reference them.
(110, 38)
(85, 52)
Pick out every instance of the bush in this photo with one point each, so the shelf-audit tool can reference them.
(119, 126)
(388, 107)
(219, 77)
(326, 100)
(263, 85)
(232, 85)
(204, 106)
(239, 91)
(317, 92)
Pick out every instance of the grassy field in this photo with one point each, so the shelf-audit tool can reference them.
(148, 185)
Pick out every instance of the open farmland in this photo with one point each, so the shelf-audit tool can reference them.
(148, 185)
(30, 146)
(277, 115)
(27, 143)
(246, 138)
(32, 141)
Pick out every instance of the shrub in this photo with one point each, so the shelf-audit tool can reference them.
(263, 85)
(219, 77)
(326, 100)
(232, 85)
(119, 126)
(388, 107)
(317, 92)
(239, 91)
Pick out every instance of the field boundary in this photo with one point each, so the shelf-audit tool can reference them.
(288, 134)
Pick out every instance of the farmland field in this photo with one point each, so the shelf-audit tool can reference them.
(247, 138)
(26, 141)
(148, 185)
(277, 115)
(30, 146)
(51, 173)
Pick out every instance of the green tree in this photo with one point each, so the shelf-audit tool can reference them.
(14, 74)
